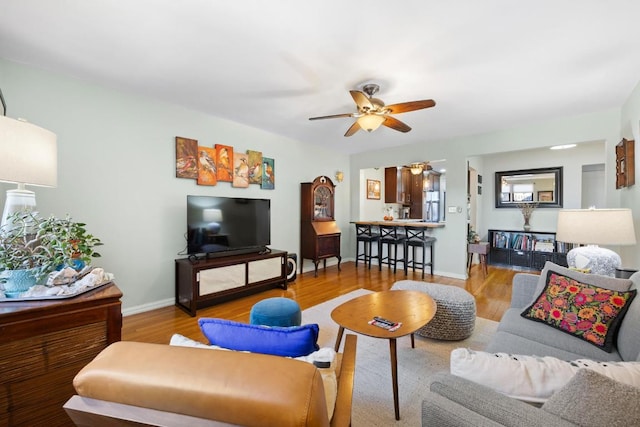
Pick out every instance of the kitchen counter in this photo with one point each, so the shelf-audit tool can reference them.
(402, 223)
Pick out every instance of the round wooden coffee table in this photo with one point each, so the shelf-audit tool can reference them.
(412, 308)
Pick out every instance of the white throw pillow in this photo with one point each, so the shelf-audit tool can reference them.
(325, 354)
(532, 378)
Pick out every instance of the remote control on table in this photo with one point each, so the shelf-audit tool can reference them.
(385, 324)
(383, 320)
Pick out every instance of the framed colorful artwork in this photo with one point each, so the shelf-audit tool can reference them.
(207, 166)
(186, 158)
(224, 163)
(268, 174)
(255, 166)
(240, 170)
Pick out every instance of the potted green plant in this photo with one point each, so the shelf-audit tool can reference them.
(71, 244)
(31, 247)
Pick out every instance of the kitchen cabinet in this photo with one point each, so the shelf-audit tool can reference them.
(397, 185)
(417, 188)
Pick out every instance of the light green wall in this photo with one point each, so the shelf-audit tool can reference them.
(116, 172)
(630, 197)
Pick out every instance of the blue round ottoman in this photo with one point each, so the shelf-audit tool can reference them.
(276, 312)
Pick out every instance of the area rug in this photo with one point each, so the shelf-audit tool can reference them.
(373, 395)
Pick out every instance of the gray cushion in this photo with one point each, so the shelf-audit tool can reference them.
(504, 342)
(628, 339)
(490, 404)
(542, 333)
(589, 279)
(591, 399)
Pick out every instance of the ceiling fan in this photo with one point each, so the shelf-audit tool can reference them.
(372, 112)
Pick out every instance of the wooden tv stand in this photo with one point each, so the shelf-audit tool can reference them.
(204, 282)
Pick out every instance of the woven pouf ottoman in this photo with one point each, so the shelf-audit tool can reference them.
(455, 313)
(276, 312)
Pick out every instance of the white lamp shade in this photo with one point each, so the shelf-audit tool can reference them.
(596, 226)
(212, 215)
(370, 122)
(28, 153)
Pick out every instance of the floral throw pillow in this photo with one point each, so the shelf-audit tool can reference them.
(585, 311)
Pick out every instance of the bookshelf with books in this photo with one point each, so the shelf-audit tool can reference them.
(526, 250)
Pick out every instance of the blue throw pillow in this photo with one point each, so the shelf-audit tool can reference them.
(294, 341)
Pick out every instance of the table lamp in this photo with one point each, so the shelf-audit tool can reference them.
(213, 217)
(28, 156)
(593, 227)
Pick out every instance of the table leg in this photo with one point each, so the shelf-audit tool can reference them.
(339, 339)
(394, 376)
(483, 261)
(413, 341)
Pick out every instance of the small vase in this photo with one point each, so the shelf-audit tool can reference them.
(19, 281)
(526, 225)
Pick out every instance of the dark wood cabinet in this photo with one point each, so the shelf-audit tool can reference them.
(204, 282)
(44, 344)
(417, 193)
(625, 164)
(319, 233)
(397, 185)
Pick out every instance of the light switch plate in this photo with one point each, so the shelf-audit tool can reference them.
(451, 209)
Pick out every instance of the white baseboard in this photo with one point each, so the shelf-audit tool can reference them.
(148, 306)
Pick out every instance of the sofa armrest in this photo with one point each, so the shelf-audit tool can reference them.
(438, 411)
(523, 289)
(342, 412)
(231, 387)
(490, 404)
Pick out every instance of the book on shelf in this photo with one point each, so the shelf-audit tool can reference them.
(500, 240)
(543, 246)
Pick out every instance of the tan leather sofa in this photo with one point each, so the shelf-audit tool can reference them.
(135, 384)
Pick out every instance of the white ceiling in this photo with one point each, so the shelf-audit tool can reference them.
(488, 64)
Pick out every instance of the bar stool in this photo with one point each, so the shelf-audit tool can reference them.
(392, 236)
(365, 233)
(417, 238)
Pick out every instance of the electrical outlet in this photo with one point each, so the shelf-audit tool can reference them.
(451, 209)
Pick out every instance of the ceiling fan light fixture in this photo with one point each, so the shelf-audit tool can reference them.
(417, 168)
(370, 122)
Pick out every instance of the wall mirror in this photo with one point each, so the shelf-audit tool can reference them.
(542, 186)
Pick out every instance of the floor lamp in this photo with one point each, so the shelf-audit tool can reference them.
(28, 156)
(593, 227)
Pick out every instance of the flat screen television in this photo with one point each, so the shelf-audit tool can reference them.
(218, 226)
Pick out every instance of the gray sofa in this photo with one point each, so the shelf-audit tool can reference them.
(454, 401)
(517, 335)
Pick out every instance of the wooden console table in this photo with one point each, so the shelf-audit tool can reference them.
(43, 345)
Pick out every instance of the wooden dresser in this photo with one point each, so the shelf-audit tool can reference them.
(43, 345)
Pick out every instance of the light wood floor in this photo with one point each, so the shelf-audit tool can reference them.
(492, 294)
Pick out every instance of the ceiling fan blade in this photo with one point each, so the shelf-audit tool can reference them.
(355, 127)
(361, 100)
(405, 107)
(334, 116)
(396, 124)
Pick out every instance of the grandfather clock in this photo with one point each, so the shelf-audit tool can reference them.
(319, 234)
